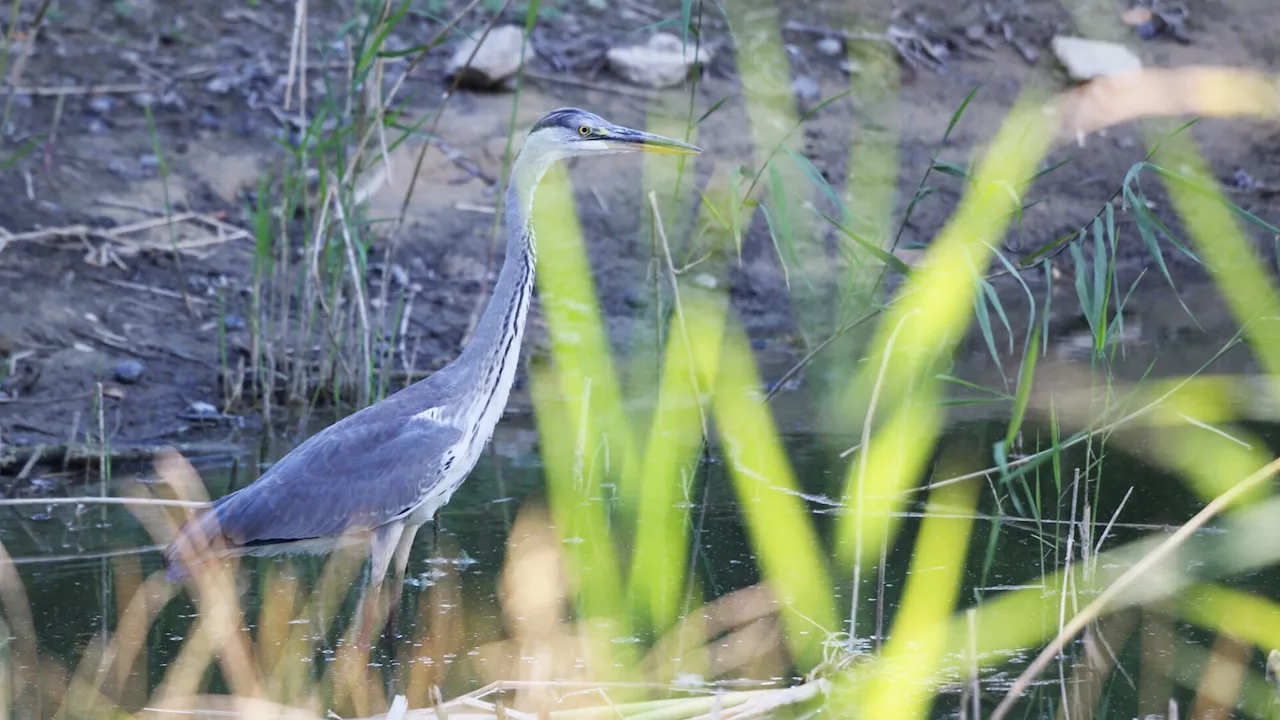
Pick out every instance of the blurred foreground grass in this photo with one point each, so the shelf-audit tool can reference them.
(610, 555)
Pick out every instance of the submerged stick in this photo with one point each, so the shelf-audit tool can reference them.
(74, 452)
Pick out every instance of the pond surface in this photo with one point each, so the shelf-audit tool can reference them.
(74, 566)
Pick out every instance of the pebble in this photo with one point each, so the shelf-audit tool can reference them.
(219, 85)
(174, 101)
(706, 281)
(1087, 59)
(233, 322)
(97, 127)
(144, 99)
(101, 104)
(203, 409)
(129, 371)
(209, 121)
(806, 88)
(830, 47)
(1243, 180)
(148, 162)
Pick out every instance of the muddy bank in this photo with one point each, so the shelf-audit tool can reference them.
(110, 332)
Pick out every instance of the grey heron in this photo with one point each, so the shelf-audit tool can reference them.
(386, 470)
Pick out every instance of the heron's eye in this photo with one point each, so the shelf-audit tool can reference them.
(583, 130)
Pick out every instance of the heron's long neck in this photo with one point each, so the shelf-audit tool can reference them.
(494, 349)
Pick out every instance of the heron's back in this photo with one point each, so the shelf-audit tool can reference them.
(367, 469)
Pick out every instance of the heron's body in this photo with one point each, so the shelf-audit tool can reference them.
(387, 469)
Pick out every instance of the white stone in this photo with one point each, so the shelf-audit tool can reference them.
(497, 59)
(1087, 59)
(830, 47)
(662, 62)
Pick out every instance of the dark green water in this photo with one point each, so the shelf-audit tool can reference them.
(70, 562)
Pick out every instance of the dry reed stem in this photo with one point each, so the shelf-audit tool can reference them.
(1207, 90)
(297, 54)
(861, 480)
(684, 327)
(1218, 694)
(366, 331)
(219, 630)
(21, 628)
(1095, 609)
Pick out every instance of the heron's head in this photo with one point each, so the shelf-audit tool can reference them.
(570, 131)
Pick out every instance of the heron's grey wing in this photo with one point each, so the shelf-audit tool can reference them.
(351, 476)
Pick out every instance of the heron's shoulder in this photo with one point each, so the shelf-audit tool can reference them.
(361, 436)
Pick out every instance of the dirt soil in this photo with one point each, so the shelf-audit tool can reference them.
(73, 309)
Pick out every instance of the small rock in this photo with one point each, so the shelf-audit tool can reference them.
(232, 322)
(661, 63)
(144, 99)
(220, 85)
(129, 371)
(174, 101)
(148, 162)
(806, 88)
(209, 121)
(97, 127)
(705, 281)
(1087, 59)
(1243, 180)
(202, 409)
(831, 47)
(497, 58)
(100, 104)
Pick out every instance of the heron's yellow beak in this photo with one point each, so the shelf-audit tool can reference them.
(628, 139)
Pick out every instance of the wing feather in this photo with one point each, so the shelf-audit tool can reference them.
(350, 476)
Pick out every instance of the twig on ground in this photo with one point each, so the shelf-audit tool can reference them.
(65, 90)
(162, 292)
(225, 232)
